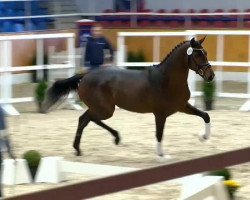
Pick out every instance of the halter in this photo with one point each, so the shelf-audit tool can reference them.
(201, 68)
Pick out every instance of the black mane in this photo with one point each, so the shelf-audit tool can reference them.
(172, 51)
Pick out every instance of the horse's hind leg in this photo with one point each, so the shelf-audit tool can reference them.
(189, 109)
(103, 112)
(112, 131)
(82, 123)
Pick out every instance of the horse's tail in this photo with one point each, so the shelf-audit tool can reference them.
(60, 90)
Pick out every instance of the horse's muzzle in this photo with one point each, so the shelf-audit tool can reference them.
(211, 77)
(208, 73)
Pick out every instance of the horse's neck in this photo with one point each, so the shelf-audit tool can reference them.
(175, 67)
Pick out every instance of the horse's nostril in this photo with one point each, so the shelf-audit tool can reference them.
(211, 77)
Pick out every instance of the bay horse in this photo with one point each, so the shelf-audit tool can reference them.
(161, 89)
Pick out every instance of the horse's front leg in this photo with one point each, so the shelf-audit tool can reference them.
(189, 109)
(160, 120)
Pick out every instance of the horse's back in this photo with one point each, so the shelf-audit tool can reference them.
(125, 88)
(111, 75)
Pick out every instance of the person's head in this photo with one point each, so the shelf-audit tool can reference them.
(96, 30)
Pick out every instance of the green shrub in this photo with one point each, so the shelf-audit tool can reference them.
(208, 90)
(131, 57)
(231, 185)
(33, 158)
(136, 57)
(140, 56)
(40, 91)
(223, 172)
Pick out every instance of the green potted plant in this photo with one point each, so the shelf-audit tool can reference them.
(208, 94)
(140, 56)
(136, 57)
(40, 92)
(33, 158)
(231, 185)
(222, 172)
(131, 57)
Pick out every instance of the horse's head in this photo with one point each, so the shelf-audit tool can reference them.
(197, 60)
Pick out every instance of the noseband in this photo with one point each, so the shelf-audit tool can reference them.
(201, 68)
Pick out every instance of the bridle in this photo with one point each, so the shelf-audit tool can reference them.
(201, 68)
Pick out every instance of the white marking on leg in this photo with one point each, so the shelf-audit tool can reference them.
(207, 130)
(161, 156)
(159, 149)
(204, 135)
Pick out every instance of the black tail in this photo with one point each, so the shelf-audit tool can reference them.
(59, 90)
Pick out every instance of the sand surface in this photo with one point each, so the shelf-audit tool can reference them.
(52, 134)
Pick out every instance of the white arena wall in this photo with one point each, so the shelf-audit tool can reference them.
(227, 76)
(68, 68)
(59, 57)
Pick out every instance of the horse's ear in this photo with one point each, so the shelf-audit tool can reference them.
(202, 39)
(192, 42)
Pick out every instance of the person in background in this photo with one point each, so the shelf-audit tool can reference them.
(4, 144)
(96, 44)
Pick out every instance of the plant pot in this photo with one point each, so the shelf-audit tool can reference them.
(39, 105)
(33, 172)
(40, 109)
(231, 193)
(208, 105)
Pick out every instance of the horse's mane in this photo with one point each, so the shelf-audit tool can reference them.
(154, 75)
(172, 51)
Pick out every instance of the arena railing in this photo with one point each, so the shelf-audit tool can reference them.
(219, 63)
(6, 68)
(116, 183)
(240, 16)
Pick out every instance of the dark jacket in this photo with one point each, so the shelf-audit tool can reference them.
(94, 54)
(4, 139)
(2, 119)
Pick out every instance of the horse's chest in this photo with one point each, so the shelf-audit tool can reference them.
(176, 95)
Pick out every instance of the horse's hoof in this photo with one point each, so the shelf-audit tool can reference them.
(163, 158)
(167, 156)
(117, 140)
(203, 137)
(78, 153)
